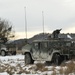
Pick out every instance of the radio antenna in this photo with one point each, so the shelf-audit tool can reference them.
(43, 22)
(25, 23)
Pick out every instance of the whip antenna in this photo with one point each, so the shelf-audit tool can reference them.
(43, 22)
(25, 23)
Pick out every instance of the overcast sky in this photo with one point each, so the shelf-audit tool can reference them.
(57, 14)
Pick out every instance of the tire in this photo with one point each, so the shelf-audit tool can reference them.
(56, 59)
(48, 63)
(14, 53)
(3, 53)
(28, 59)
(64, 58)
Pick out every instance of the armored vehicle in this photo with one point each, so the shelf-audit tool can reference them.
(48, 50)
(54, 49)
(7, 48)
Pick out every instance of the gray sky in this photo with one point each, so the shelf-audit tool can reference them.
(57, 14)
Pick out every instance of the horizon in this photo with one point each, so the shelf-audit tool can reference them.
(22, 35)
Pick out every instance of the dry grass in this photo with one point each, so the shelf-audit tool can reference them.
(54, 73)
(21, 70)
(64, 69)
(61, 71)
(63, 64)
(41, 67)
(12, 69)
(53, 69)
(70, 68)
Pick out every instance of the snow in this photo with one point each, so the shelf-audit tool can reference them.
(4, 73)
(15, 65)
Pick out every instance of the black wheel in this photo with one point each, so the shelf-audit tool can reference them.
(64, 58)
(56, 59)
(14, 53)
(3, 53)
(48, 63)
(28, 59)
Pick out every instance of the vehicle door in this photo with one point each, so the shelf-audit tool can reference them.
(44, 50)
(65, 47)
(36, 50)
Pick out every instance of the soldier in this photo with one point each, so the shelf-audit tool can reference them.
(56, 33)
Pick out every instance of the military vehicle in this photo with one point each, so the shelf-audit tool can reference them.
(53, 50)
(7, 48)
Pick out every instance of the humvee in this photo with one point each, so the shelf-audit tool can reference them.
(7, 48)
(48, 50)
(51, 50)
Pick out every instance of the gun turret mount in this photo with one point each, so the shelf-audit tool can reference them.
(56, 33)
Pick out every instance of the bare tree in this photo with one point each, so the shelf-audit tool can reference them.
(5, 29)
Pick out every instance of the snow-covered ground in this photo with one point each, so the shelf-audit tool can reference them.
(14, 65)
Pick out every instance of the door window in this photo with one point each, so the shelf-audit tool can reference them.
(37, 45)
(45, 45)
(68, 44)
